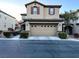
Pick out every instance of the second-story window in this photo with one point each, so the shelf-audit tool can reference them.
(35, 10)
(51, 11)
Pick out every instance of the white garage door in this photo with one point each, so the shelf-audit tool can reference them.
(43, 30)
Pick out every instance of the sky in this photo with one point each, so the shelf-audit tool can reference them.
(17, 7)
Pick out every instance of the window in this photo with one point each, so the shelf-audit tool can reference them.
(31, 25)
(41, 25)
(51, 11)
(54, 26)
(51, 26)
(35, 26)
(44, 25)
(35, 10)
(48, 26)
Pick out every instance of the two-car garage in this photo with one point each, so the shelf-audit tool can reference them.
(43, 29)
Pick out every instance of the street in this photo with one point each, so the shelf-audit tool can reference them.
(38, 49)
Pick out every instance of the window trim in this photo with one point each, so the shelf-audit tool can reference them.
(52, 12)
(35, 12)
(32, 10)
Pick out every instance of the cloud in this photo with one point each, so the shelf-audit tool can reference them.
(12, 9)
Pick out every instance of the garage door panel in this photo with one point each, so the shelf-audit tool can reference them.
(43, 30)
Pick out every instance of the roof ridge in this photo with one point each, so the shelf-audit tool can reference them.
(42, 4)
(7, 14)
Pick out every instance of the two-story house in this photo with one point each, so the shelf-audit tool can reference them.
(41, 19)
(7, 22)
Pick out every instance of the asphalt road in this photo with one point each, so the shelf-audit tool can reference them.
(38, 49)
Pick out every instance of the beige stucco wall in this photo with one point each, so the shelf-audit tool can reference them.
(48, 16)
(32, 16)
(44, 13)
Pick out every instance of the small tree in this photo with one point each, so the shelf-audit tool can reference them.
(66, 17)
(71, 15)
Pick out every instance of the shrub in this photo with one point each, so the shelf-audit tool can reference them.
(76, 35)
(62, 35)
(15, 33)
(24, 35)
(7, 34)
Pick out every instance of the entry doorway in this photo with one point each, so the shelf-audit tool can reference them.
(23, 27)
(68, 30)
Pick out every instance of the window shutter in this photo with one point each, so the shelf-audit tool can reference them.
(31, 10)
(49, 10)
(53, 12)
(38, 11)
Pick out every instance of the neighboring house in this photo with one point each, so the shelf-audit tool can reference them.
(7, 22)
(73, 27)
(76, 22)
(42, 20)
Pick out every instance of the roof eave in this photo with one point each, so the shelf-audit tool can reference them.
(58, 6)
(34, 2)
(7, 14)
(23, 14)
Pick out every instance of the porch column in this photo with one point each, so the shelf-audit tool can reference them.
(27, 25)
(60, 26)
